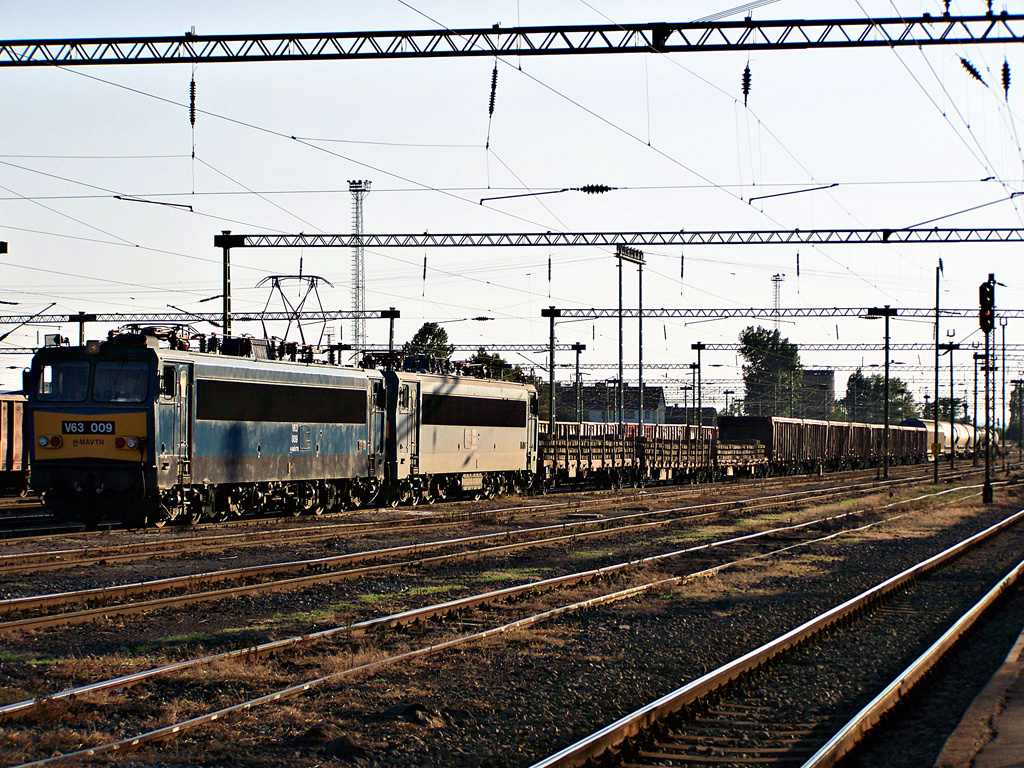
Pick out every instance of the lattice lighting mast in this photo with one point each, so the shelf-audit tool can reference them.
(359, 189)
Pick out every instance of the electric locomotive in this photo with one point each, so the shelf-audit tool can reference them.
(127, 430)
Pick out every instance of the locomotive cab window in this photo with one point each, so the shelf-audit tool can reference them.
(121, 382)
(167, 379)
(66, 382)
(380, 396)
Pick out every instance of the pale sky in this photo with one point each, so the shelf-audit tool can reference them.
(907, 135)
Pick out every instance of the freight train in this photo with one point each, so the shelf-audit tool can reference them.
(145, 432)
(14, 449)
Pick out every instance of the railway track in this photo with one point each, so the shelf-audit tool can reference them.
(17, 563)
(430, 639)
(808, 697)
(194, 588)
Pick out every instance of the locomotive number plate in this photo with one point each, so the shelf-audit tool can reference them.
(87, 427)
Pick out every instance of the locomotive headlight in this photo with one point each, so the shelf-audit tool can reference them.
(52, 441)
(133, 442)
(44, 441)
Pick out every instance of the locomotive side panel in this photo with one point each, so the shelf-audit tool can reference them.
(470, 426)
(264, 423)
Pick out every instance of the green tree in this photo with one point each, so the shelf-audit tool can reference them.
(1016, 399)
(431, 339)
(771, 374)
(494, 366)
(865, 399)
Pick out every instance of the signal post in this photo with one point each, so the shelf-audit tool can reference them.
(987, 321)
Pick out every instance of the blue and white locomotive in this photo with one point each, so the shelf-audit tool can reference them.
(131, 430)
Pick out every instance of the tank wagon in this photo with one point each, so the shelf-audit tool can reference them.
(959, 438)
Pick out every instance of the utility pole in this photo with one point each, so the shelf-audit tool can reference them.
(1002, 326)
(952, 402)
(577, 348)
(82, 318)
(700, 395)
(1019, 384)
(887, 312)
(635, 256)
(977, 357)
(390, 315)
(227, 241)
(551, 313)
(693, 389)
(937, 446)
(640, 346)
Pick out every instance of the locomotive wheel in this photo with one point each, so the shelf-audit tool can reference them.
(357, 496)
(330, 498)
(438, 489)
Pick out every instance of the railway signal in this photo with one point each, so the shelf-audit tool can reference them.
(987, 300)
(986, 317)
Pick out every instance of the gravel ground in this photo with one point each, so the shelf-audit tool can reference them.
(916, 732)
(510, 701)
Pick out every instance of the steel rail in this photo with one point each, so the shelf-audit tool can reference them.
(594, 746)
(78, 617)
(22, 562)
(651, 37)
(19, 604)
(857, 728)
(415, 615)
(11, 564)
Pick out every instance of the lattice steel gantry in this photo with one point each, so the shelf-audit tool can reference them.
(649, 37)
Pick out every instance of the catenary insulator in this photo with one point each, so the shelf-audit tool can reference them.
(192, 103)
(746, 84)
(594, 189)
(1006, 79)
(972, 71)
(494, 89)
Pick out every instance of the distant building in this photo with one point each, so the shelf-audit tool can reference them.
(818, 393)
(679, 414)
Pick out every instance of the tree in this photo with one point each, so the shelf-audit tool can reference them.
(1013, 428)
(865, 399)
(494, 366)
(771, 374)
(432, 340)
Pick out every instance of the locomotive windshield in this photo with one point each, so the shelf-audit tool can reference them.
(113, 381)
(66, 382)
(121, 382)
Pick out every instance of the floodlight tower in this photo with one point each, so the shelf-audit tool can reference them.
(359, 189)
(777, 297)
